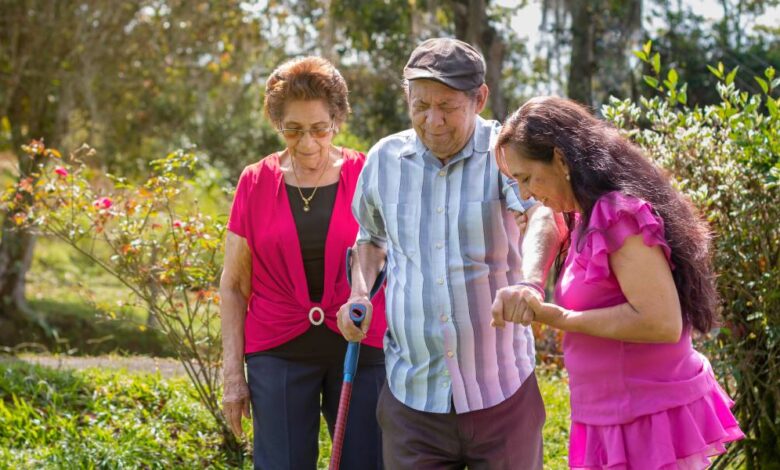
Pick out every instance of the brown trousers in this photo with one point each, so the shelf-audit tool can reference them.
(503, 437)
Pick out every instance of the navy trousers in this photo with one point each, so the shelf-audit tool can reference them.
(287, 398)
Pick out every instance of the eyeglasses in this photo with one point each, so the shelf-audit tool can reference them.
(315, 132)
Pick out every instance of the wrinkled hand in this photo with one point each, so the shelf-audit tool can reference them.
(347, 326)
(235, 402)
(516, 304)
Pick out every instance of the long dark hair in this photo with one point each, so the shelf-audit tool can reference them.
(600, 160)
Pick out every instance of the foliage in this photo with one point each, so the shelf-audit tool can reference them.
(100, 419)
(152, 237)
(136, 79)
(107, 419)
(726, 157)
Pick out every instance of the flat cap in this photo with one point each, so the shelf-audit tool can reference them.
(449, 61)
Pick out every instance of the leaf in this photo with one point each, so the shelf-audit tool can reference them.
(646, 47)
(657, 63)
(772, 107)
(672, 77)
(642, 56)
(652, 81)
(769, 73)
(715, 71)
(730, 77)
(682, 97)
(763, 83)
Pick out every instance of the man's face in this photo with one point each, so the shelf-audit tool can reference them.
(444, 118)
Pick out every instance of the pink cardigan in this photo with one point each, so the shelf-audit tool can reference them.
(279, 306)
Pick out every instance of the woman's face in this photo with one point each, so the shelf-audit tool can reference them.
(307, 128)
(545, 182)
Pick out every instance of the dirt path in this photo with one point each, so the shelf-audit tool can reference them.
(167, 367)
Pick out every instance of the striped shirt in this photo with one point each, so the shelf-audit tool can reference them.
(451, 243)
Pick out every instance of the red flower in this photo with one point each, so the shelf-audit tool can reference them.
(61, 171)
(178, 224)
(103, 203)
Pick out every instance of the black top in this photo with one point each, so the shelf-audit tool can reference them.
(312, 229)
(318, 343)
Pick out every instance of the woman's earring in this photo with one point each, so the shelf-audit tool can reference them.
(567, 177)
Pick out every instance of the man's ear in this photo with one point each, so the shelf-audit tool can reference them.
(482, 97)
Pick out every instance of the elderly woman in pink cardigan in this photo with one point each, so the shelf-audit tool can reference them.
(284, 280)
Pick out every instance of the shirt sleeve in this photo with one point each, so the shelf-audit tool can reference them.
(365, 204)
(237, 221)
(512, 195)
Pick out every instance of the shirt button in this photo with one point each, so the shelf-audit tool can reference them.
(440, 281)
(444, 318)
(439, 210)
(442, 173)
(439, 246)
(450, 354)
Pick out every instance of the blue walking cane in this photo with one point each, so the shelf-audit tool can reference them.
(357, 313)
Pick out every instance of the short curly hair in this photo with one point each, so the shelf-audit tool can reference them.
(306, 78)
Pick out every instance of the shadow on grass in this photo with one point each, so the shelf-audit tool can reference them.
(80, 330)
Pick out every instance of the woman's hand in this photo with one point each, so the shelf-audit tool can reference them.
(522, 304)
(514, 304)
(235, 402)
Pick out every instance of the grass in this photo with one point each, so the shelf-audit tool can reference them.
(55, 419)
(103, 419)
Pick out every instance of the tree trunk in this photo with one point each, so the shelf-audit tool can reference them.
(472, 25)
(16, 250)
(580, 86)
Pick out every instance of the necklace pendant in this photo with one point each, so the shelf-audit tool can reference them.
(305, 208)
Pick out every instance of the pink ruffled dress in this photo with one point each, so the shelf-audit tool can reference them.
(634, 405)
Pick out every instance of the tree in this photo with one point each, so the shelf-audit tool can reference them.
(137, 79)
(600, 35)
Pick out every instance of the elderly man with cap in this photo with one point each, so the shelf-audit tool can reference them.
(432, 203)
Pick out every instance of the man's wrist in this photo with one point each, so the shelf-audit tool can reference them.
(535, 286)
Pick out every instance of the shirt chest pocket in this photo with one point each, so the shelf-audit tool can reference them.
(481, 230)
(402, 224)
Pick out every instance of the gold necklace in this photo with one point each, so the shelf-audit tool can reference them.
(306, 200)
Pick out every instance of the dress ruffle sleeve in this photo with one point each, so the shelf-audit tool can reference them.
(615, 217)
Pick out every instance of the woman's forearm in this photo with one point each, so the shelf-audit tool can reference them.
(620, 322)
(233, 307)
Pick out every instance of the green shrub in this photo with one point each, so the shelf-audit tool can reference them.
(726, 157)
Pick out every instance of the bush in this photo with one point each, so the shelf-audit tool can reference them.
(152, 237)
(726, 157)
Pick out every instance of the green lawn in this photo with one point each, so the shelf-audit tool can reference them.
(103, 419)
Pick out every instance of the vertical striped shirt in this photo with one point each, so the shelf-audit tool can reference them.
(451, 243)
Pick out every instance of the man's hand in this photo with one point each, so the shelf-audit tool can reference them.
(235, 402)
(521, 219)
(516, 304)
(347, 326)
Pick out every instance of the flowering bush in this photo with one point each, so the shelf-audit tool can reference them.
(152, 237)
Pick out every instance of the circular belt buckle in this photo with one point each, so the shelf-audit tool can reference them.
(321, 318)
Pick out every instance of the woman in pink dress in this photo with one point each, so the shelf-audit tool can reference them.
(634, 284)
